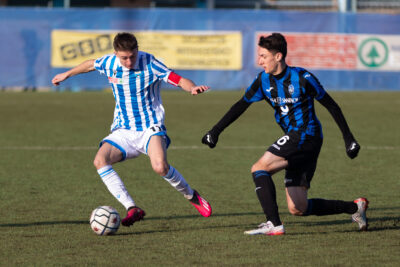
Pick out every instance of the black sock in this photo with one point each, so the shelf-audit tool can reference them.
(321, 207)
(265, 189)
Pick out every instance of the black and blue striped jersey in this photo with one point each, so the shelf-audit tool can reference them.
(291, 94)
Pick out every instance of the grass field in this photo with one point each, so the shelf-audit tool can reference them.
(48, 186)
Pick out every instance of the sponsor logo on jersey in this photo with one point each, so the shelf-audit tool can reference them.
(269, 90)
(115, 80)
(283, 100)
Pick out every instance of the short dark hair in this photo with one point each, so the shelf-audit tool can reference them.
(125, 41)
(274, 43)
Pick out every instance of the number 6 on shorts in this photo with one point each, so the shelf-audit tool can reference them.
(281, 141)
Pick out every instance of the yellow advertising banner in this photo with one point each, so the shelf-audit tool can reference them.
(189, 50)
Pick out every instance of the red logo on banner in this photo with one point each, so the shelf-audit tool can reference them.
(321, 51)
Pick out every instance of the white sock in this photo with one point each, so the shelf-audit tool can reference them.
(178, 182)
(115, 186)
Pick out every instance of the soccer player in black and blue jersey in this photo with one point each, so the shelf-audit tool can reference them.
(291, 92)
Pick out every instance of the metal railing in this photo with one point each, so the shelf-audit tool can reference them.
(386, 6)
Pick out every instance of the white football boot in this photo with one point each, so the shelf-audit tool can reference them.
(267, 228)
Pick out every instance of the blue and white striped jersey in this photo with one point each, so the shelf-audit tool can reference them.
(138, 104)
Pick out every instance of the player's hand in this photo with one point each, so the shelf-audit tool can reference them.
(199, 89)
(59, 78)
(352, 149)
(210, 139)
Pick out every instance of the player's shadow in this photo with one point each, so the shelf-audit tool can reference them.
(28, 224)
(195, 216)
(374, 224)
(183, 229)
(205, 226)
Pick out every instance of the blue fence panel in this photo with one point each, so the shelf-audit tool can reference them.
(25, 47)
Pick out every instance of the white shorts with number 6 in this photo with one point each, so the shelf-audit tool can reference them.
(133, 143)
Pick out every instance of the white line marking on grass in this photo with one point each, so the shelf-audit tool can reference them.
(381, 148)
(48, 148)
(78, 148)
(220, 147)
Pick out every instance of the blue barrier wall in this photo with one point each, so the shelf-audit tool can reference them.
(25, 47)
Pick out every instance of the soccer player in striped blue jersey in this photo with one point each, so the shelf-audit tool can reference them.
(291, 91)
(138, 125)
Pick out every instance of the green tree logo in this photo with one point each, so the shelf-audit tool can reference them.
(373, 52)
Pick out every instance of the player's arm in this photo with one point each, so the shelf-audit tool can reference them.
(84, 67)
(186, 84)
(211, 137)
(253, 94)
(352, 147)
(315, 89)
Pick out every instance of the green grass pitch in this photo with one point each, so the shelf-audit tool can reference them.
(49, 186)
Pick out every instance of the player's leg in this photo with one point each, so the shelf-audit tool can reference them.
(298, 177)
(322, 207)
(296, 197)
(106, 156)
(262, 170)
(157, 152)
(297, 184)
(270, 163)
(278, 156)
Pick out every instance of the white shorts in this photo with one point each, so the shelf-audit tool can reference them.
(133, 143)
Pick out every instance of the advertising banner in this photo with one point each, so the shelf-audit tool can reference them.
(189, 50)
(342, 51)
(346, 51)
(378, 52)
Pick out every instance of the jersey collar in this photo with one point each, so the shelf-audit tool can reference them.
(280, 75)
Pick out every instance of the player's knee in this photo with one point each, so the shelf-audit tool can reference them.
(99, 162)
(297, 210)
(254, 168)
(161, 168)
(257, 167)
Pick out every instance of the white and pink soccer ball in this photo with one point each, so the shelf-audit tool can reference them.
(105, 220)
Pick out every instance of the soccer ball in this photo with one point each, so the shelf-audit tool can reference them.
(105, 220)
